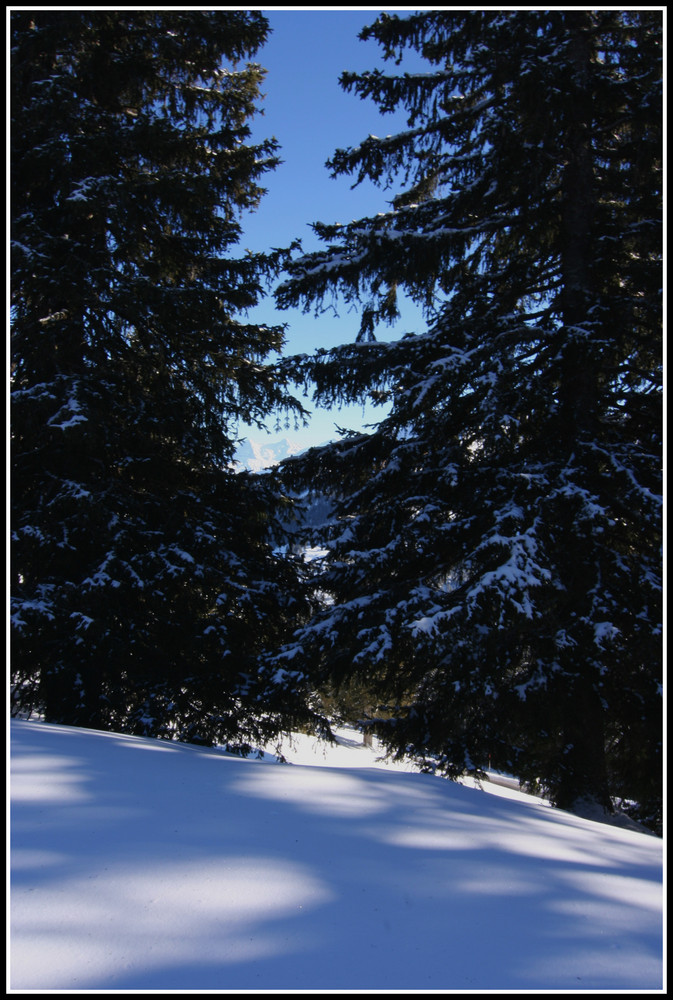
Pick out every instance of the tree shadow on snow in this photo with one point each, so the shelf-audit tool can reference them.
(148, 865)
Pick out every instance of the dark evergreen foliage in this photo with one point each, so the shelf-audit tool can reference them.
(146, 590)
(495, 575)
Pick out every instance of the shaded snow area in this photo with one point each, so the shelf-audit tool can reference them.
(144, 865)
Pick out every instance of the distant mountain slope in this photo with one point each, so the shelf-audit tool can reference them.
(255, 456)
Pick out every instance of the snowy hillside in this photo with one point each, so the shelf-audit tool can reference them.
(255, 456)
(142, 865)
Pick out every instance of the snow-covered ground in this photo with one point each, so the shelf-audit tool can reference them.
(145, 865)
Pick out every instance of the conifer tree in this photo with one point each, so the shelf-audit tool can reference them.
(146, 589)
(495, 571)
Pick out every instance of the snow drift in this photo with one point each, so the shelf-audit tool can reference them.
(144, 865)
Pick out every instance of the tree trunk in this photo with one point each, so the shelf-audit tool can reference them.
(583, 770)
(578, 393)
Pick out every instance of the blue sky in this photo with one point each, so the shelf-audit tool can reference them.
(306, 110)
